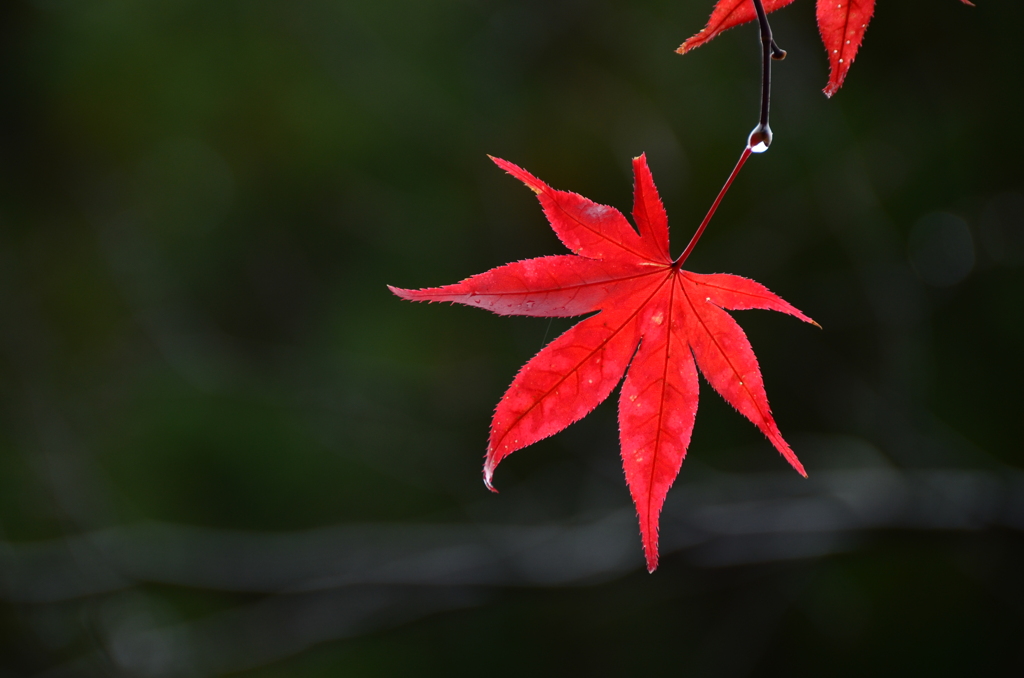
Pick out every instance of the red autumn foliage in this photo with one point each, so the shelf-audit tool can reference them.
(660, 321)
(841, 23)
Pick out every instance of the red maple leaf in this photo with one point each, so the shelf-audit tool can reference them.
(645, 299)
(841, 23)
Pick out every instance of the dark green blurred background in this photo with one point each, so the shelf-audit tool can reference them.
(226, 448)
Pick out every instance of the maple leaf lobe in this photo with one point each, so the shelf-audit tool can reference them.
(655, 323)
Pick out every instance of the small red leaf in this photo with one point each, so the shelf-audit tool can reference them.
(661, 322)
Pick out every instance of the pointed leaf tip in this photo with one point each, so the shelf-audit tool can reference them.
(842, 26)
(489, 474)
(650, 543)
(797, 466)
(532, 182)
(399, 292)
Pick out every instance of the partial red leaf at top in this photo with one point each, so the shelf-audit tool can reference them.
(728, 13)
(841, 23)
(658, 322)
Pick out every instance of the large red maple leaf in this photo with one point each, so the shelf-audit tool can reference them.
(841, 23)
(645, 300)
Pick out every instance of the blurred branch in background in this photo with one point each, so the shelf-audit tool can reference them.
(348, 580)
